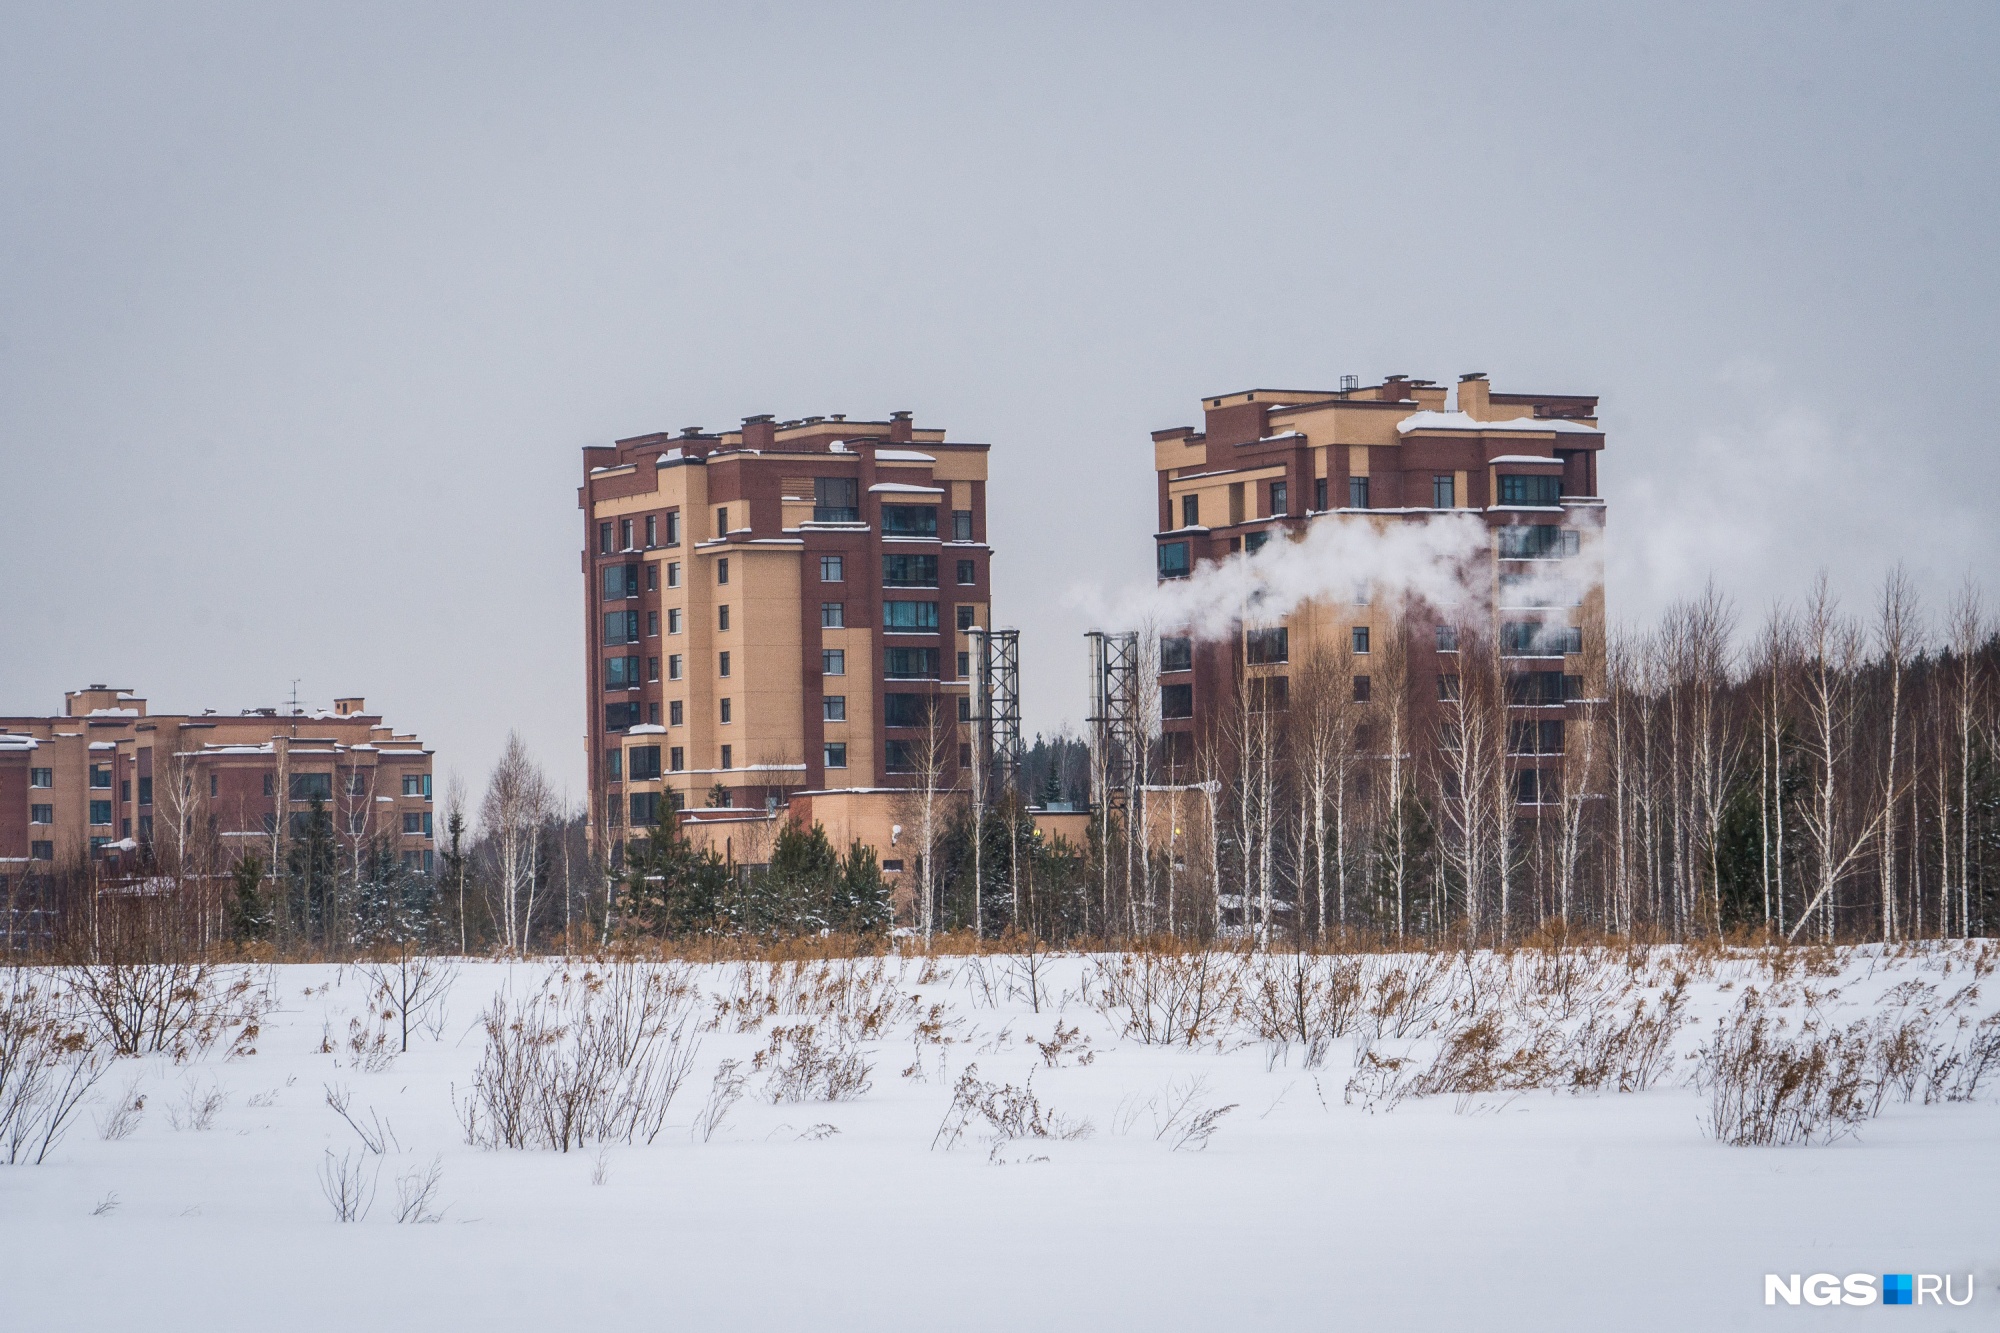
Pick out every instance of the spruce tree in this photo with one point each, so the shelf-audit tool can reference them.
(249, 915)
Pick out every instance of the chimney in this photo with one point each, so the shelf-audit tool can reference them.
(899, 428)
(1474, 396)
(349, 707)
(760, 432)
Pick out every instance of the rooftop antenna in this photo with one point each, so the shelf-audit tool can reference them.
(295, 708)
(1349, 383)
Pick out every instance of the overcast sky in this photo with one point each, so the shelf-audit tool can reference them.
(306, 311)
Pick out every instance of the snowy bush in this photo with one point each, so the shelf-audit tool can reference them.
(805, 1066)
(181, 1009)
(596, 1055)
(1010, 1113)
(47, 1065)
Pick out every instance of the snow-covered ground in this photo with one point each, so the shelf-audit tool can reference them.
(1305, 1207)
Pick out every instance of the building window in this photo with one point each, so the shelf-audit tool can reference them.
(961, 525)
(645, 763)
(1519, 490)
(1263, 647)
(270, 784)
(652, 530)
(722, 521)
(968, 572)
(100, 776)
(894, 867)
(965, 666)
(1319, 493)
(1190, 511)
(833, 615)
(617, 717)
(41, 777)
(728, 761)
(910, 571)
(910, 663)
(909, 521)
(722, 664)
(624, 534)
(832, 569)
(621, 627)
(1174, 560)
(722, 618)
(1280, 498)
(1177, 701)
(1361, 689)
(674, 527)
(722, 570)
(1443, 492)
(676, 759)
(967, 616)
(652, 624)
(652, 668)
(833, 662)
(1572, 639)
(1177, 654)
(673, 573)
(1535, 738)
(652, 578)
(836, 500)
(673, 666)
(146, 786)
(1270, 694)
(1447, 637)
(1253, 542)
(41, 851)
(1448, 688)
(645, 809)
(673, 620)
(674, 717)
(614, 764)
(41, 814)
(413, 823)
(417, 784)
(212, 784)
(604, 539)
(1357, 492)
(621, 673)
(726, 717)
(653, 714)
(910, 617)
(833, 708)
(965, 708)
(899, 756)
(1360, 638)
(835, 754)
(100, 812)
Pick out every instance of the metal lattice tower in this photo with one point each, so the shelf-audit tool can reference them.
(1114, 708)
(997, 715)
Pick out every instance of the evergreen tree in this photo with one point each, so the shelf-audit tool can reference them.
(311, 865)
(670, 888)
(395, 903)
(867, 905)
(802, 884)
(249, 914)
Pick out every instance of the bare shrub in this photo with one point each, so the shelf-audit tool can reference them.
(1379, 1081)
(1627, 1049)
(806, 1067)
(1170, 998)
(1407, 997)
(1010, 1113)
(196, 1108)
(1768, 1085)
(370, 1046)
(48, 1063)
(348, 1182)
(180, 1009)
(375, 1133)
(1065, 1041)
(411, 988)
(125, 1114)
(723, 1093)
(1306, 998)
(416, 1194)
(1953, 1071)
(590, 1056)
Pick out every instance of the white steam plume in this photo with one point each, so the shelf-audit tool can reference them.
(1429, 559)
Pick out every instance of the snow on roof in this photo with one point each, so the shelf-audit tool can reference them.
(646, 729)
(904, 488)
(1523, 458)
(104, 745)
(839, 447)
(9, 741)
(112, 712)
(903, 456)
(1460, 421)
(673, 455)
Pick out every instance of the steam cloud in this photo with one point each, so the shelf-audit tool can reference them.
(1441, 560)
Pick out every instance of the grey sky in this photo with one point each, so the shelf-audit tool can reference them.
(305, 311)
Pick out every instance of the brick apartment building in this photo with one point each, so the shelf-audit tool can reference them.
(1269, 463)
(775, 619)
(108, 779)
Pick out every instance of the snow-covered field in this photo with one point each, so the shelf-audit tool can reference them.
(1320, 1199)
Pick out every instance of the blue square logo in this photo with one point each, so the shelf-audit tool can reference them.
(1895, 1289)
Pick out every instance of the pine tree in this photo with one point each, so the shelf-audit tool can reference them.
(311, 863)
(249, 915)
(867, 904)
(670, 888)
